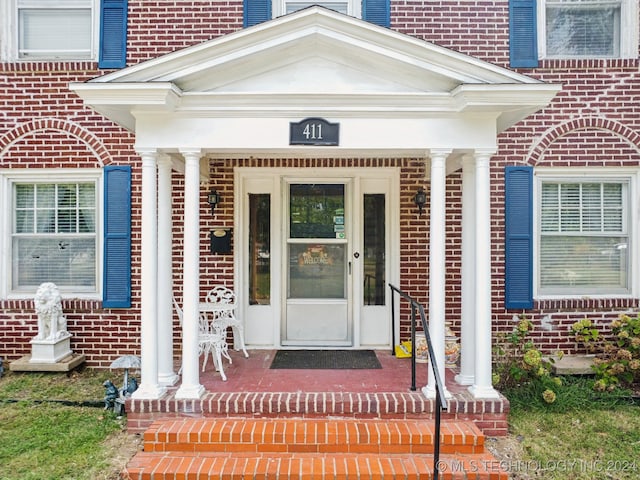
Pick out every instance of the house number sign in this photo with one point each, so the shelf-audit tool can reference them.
(314, 131)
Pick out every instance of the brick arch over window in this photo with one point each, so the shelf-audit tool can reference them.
(625, 134)
(56, 124)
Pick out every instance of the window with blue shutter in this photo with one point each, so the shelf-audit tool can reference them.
(113, 34)
(523, 42)
(256, 11)
(117, 237)
(374, 11)
(377, 11)
(518, 237)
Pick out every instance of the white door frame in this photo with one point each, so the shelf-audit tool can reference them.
(263, 323)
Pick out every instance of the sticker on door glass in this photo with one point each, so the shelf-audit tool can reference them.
(315, 255)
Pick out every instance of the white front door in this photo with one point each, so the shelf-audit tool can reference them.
(317, 267)
(317, 251)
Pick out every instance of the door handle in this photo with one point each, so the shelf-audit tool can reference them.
(349, 268)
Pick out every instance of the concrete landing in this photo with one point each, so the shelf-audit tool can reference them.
(65, 365)
(573, 365)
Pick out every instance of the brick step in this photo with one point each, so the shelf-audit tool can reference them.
(310, 449)
(286, 435)
(299, 466)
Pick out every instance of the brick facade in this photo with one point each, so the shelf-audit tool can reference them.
(593, 122)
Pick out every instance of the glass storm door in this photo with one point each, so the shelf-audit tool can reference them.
(317, 265)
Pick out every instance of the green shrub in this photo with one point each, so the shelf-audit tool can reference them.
(518, 364)
(617, 361)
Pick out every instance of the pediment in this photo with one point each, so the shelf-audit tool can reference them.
(305, 38)
(313, 56)
(320, 75)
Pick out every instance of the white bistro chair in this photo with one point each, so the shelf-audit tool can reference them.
(221, 302)
(211, 340)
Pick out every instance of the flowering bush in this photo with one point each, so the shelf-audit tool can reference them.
(517, 362)
(585, 332)
(618, 362)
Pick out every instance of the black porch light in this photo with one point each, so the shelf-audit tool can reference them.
(213, 198)
(420, 199)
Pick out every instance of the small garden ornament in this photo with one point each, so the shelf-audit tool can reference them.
(52, 324)
(112, 400)
(127, 361)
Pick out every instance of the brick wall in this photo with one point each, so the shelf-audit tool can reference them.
(594, 121)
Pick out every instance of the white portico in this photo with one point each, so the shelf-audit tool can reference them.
(235, 96)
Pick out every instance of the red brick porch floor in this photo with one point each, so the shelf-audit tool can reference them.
(254, 374)
(253, 389)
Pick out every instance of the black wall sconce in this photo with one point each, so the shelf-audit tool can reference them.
(420, 199)
(213, 199)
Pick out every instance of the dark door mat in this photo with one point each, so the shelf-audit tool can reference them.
(325, 359)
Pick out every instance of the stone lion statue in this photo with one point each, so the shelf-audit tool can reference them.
(52, 324)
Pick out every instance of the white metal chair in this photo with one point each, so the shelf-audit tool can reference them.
(221, 301)
(211, 340)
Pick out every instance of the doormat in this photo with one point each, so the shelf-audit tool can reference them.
(325, 359)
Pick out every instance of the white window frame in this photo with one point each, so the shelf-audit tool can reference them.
(279, 7)
(9, 29)
(8, 178)
(630, 176)
(628, 29)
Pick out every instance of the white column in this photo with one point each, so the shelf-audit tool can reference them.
(190, 387)
(437, 272)
(467, 273)
(149, 387)
(482, 387)
(166, 372)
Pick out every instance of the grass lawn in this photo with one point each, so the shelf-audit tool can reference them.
(53, 427)
(578, 445)
(584, 435)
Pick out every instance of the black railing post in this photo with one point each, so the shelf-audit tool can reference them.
(413, 348)
(440, 400)
(393, 325)
(436, 440)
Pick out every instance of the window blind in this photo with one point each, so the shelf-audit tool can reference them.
(583, 241)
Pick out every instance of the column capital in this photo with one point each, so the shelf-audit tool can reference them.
(191, 152)
(147, 151)
(439, 152)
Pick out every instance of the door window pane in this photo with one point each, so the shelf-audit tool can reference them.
(316, 211)
(259, 249)
(317, 270)
(374, 248)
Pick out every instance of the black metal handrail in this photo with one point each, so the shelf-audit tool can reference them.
(441, 400)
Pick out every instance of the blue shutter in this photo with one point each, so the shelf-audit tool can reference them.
(518, 237)
(116, 283)
(377, 11)
(113, 34)
(256, 11)
(523, 42)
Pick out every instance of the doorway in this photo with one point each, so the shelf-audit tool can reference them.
(318, 249)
